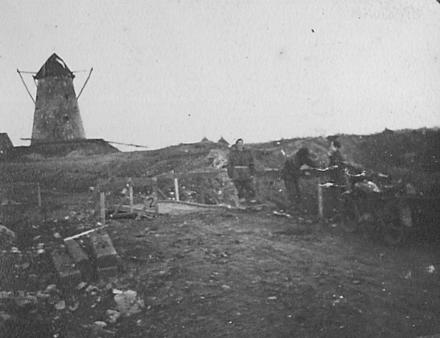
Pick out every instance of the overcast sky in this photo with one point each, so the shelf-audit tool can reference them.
(167, 72)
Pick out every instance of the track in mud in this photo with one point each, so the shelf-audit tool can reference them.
(240, 274)
(255, 275)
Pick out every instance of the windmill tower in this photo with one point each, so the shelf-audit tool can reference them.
(56, 116)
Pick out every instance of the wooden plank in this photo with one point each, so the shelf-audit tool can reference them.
(180, 207)
(84, 233)
(166, 206)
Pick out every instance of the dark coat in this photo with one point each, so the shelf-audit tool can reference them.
(336, 159)
(292, 167)
(240, 164)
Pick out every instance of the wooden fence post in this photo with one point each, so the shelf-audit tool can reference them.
(155, 193)
(130, 193)
(154, 186)
(176, 189)
(102, 206)
(320, 201)
(39, 195)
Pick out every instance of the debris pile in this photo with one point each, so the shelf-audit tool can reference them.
(85, 256)
(51, 281)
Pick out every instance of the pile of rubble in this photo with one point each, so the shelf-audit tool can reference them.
(46, 288)
(85, 256)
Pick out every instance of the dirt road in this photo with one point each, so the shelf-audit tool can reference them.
(255, 275)
(243, 274)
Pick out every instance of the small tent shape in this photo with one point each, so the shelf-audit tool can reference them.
(205, 140)
(387, 131)
(223, 142)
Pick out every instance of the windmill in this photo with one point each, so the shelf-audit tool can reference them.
(56, 117)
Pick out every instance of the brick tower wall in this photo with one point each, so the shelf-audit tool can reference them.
(56, 116)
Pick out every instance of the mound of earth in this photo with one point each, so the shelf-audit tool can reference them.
(411, 155)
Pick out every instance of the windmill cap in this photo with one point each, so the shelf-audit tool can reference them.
(54, 66)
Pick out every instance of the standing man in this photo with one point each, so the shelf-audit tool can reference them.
(241, 169)
(291, 173)
(336, 163)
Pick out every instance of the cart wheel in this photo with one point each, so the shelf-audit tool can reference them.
(395, 231)
(349, 216)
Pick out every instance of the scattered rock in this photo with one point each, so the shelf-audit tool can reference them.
(430, 268)
(81, 285)
(74, 306)
(128, 303)
(42, 295)
(100, 324)
(15, 250)
(112, 316)
(61, 305)
(91, 288)
(51, 288)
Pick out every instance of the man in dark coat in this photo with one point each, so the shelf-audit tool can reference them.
(241, 169)
(336, 163)
(291, 173)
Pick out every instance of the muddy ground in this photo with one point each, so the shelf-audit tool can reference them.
(234, 274)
